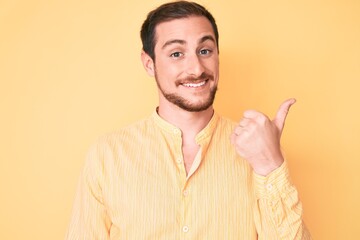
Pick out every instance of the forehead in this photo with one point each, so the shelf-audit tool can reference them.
(189, 29)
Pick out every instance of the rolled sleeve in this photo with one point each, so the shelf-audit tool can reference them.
(278, 212)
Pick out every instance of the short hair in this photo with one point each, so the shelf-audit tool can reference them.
(167, 12)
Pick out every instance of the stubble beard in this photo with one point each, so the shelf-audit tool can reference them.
(186, 104)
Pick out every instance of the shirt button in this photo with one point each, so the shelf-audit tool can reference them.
(186, 192)
(269, 186)
(185, 229)
(179, 160)
(176, 131)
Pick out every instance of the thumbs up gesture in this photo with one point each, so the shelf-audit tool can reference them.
(257, 138)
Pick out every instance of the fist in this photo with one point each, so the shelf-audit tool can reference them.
(257, 138)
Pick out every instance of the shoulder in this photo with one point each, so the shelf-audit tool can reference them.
(128, 133)
(110, 149)
(225, 124)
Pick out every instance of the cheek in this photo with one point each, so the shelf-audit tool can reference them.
(165, 76)
(164, 73)
(213, 68)
(169, 71)
(213, 65)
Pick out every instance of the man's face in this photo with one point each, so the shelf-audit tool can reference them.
(186, 63)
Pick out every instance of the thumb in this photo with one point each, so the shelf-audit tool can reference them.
(281, 114)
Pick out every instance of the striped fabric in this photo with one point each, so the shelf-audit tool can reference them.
(134, 186)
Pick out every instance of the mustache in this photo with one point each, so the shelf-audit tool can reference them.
(192, 79)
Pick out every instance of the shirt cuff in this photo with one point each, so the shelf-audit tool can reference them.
(276, 184)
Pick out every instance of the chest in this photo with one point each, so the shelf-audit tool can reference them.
(152, 187)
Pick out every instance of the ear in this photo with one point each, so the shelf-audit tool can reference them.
(148, 63)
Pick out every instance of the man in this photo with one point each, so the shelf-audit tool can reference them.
(185, 172)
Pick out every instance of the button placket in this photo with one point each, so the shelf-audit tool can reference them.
(183, 182)
(185, 202)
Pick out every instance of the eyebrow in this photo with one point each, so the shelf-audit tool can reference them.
(206, 38)
(183, 42)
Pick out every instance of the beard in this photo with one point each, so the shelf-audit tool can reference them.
(184, 103)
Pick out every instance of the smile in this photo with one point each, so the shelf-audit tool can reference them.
(194, 85)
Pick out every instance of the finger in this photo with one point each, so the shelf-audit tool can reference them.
(282, 113)
(251, 114)
(244, 122)
(238, 131)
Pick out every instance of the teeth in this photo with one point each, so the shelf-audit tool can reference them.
(194, 85)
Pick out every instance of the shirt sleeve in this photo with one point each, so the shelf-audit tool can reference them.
(278, 211)
(89, 219)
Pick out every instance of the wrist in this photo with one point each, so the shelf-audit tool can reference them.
(268, 167)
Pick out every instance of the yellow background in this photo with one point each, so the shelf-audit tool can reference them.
(70, 71)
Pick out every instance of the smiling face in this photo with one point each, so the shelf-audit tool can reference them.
(186, 65)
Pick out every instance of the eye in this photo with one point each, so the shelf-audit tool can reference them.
(176, 55)
(205, 52)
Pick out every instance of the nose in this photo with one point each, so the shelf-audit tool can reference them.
(195, 66)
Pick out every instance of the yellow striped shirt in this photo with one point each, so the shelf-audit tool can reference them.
(134, 186)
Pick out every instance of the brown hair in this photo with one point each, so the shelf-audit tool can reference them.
(167, 12)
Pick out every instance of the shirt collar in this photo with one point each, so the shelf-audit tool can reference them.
(204, 134)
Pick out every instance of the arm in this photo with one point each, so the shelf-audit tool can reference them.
(278, 210)
(89, 219)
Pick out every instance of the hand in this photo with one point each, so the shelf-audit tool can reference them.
(257, 138)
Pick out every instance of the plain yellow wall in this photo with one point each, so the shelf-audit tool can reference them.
(70, 71)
